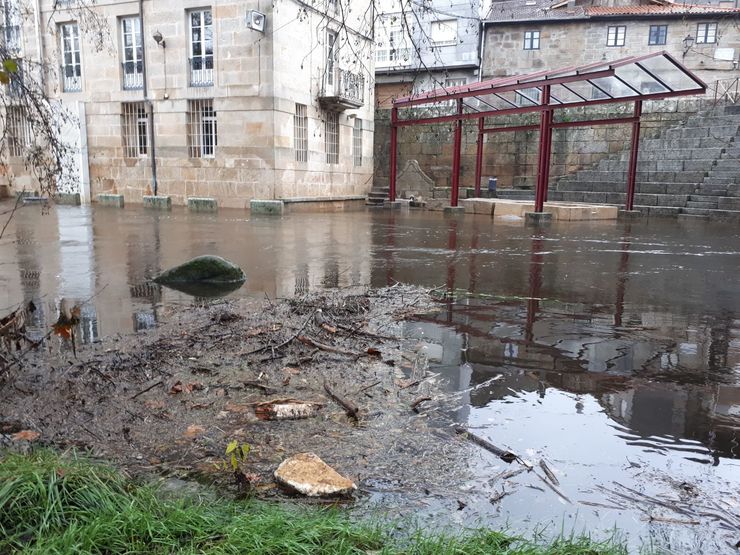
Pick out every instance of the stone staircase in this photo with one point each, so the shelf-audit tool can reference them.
(377, 196)
(688, 171)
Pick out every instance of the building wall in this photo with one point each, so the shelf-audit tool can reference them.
(420, 61)
(257, 80)
(568, 43)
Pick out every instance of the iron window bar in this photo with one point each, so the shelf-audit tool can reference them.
(200, 69)
(133, 75)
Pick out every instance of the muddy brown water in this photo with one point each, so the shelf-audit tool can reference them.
(611, 350)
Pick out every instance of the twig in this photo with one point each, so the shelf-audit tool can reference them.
(155, 384)
(284, 343)
(506, 456)
(549, 473)
(349, 407)
(419, 401)
(553, 488)
(365, 388)
(313, 343)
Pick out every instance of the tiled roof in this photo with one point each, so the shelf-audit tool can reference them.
(532, 10)
(678, 9)
(543, 10)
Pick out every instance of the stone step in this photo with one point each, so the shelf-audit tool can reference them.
(597, 197)
(703, 198)
(687, 143)
(691, 217)
(515, 194)
(727, 164)
(694, 204)
(716, 181)
(726, 215)
(642, 176)
(728, 203)
(677, 155)
(647, 187)
(695, 132)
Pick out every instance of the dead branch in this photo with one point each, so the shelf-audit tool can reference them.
(313, 343)
(506, 456)
(417, 402)
(349, 407)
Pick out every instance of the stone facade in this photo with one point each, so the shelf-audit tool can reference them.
(583, 40)
(421, 46)
(256, 81)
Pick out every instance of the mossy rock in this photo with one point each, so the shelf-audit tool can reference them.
(206, 269)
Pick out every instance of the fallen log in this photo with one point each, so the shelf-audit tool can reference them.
(506, 456)
(349, 407)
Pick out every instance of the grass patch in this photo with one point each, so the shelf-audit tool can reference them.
(55, 504)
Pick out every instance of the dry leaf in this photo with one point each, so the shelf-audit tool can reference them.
(235, 407)
(195, 431)
(291, 371)
(176, 388)
(330, 329)
(26, 435)
(155, 404)
(373, 352)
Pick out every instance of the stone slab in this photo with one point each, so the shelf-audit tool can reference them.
(267, 207)
(67, 199)
(111, 200)
(202, 204)
(537, 218)
(393, 204)
(479, 206)
(454, 210)
(628, 214)
(158, 202)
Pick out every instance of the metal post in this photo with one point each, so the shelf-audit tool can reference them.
(479, 158)
(394, 148)
(548, 152)
(456, 156)
(632, 170)
(149, 106)
(543, 166)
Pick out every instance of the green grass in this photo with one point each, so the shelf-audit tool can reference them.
(62, 504)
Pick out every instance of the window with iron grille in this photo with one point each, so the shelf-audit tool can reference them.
(71, 57)
(202, 128)
(357, 142)
(10, 27)
(658, 34)
(615, 35)
(18, 130)
(132, 51)
(531, 40)
(706, 33)
(201, 48)
(135, 129)
(331, 137)
(300, 133)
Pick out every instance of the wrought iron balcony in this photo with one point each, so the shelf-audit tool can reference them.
(133, 75)
(201, 71)
(70, 81)
(342, 89)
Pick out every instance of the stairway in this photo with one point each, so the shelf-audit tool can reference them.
(689, 171)
(377, 196)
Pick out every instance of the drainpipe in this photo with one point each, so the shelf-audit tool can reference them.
(481, 48)
(147, 103)
(39, 43)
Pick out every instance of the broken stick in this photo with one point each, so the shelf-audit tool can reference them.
(349, 407)
(506, 456)
(313, 343)
(419, 401)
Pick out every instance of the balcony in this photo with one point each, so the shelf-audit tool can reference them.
(71, 80)
(200, 70)
(132, 76)
(342, 90)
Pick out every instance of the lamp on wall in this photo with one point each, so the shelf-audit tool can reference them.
(688, 42)
(159, 39)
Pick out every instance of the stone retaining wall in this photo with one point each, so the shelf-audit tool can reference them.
(512, 157)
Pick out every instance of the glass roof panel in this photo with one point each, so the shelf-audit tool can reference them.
(669, 73)
(613, 87)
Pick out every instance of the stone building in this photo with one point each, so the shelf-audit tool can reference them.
(522, 37)
(420, 46)
(234, 99)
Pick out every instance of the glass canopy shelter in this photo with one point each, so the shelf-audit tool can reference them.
(633, 79)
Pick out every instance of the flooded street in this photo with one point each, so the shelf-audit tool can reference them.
(609, 349)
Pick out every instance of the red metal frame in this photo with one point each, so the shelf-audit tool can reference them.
(543, 80)
(479, 157)
(634, 148)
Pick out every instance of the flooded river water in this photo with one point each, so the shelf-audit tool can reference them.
(611, 350)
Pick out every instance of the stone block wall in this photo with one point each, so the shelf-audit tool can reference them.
(512, 157)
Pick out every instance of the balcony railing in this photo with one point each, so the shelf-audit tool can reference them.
(70, 81)
(201, 71)
(133, 75)
(343, 89)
